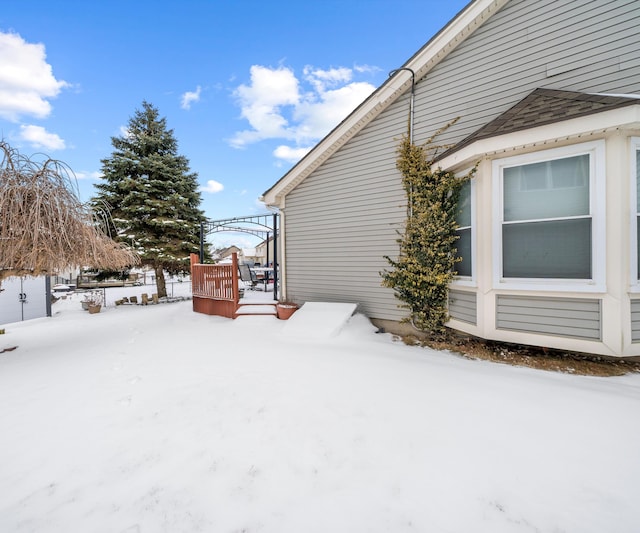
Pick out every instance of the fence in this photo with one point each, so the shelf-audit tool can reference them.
(215, 287)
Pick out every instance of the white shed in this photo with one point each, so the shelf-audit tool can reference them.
(24, 298)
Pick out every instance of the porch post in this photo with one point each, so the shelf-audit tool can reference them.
(202, 242)
(194, 261)
(275, 256)
(234, 278)
(267, 249)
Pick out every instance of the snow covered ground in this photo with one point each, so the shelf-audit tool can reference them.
(158, 419)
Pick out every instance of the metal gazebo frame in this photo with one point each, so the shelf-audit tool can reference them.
(263, 225)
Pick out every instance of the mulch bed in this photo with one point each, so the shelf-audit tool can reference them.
(529, 356)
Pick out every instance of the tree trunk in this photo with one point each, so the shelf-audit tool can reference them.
(160, 283)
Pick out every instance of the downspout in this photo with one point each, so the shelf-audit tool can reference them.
(282, 219)
(275, 256)
(278, 268)
(411, 99)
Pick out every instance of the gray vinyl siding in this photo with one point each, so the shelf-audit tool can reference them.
(508, 57)
(565, 317)
(463, 306)
(635, 320)
(344, 217)
(337, 232)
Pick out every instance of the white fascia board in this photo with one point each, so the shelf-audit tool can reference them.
(463, 25)
(624, 118)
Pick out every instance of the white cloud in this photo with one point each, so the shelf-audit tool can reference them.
(41, 138)
(278, 105)
(88, 175)
(318, 117)
(289, 154)
(189, 97)
(366, 69)
(261, 104)
(322, 79)
(26, 79)
(212, 187)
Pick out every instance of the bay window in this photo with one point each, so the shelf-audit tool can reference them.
(463, 244)
(550, 223)
(635, 176)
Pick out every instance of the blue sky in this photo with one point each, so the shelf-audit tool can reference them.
(247, 86)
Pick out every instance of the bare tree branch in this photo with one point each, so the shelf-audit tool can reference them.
(44, 228)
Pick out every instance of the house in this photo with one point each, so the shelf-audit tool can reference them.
(24, 298)
(265, 251)
(222, 254)
(250, 256)
(547, 97)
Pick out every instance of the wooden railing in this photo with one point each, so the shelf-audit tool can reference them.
(215, 287)
(213, 281)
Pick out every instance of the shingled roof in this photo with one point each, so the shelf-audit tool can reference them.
(544, 106)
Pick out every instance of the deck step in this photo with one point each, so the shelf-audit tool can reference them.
(256, 309)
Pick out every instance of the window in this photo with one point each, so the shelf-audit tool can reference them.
(550, 221)
(463, 244)
(635, 177)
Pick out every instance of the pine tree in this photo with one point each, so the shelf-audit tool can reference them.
(151, 194)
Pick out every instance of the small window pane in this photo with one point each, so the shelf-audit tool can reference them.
(638, 211)
(570, 172)
(463, 247)
(549, 189)
(533, 177)
(638, 244)
(556, 249)
(463, 217)
(638, 180)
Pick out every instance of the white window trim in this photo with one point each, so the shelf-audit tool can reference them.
(597, 201)
(470, 281)
(633, 210)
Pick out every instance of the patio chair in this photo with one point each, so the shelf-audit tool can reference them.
(248, 276)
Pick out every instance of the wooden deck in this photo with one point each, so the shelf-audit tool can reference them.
(216, 291)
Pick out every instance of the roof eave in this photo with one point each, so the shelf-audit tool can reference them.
(624, 118)
(437, 48)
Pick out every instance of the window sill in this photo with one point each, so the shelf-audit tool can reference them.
(468, 282)
(550, 285)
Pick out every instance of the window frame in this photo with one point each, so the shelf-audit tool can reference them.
(634, 147)
(597, 204)
(470, 281)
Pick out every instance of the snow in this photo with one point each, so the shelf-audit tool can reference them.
(315, 320)
(257, 310)
(157, 419)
